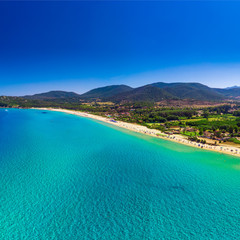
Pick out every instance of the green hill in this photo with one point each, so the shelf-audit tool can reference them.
(145, 93)
(106, 92)
(229, 92)
(190, 91)
(52, 95)
(161, 91)
(151, 92)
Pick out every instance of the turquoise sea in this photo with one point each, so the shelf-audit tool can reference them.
(68, 177)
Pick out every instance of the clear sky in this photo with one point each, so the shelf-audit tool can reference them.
(76, 46)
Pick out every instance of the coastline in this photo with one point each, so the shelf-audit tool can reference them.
(152, 132)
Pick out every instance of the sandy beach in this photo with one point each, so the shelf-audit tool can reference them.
(152, 132)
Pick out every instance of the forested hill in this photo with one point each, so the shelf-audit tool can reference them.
(52, 95)
(162, 91)
(190, 91)
(106, 92)
(152, 92)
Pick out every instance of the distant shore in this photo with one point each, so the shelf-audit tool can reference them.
(152, 132)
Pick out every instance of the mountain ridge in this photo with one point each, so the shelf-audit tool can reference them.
(52, 95)
(151, 92)
(107, 91)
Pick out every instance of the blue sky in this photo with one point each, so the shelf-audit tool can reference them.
(76, 46)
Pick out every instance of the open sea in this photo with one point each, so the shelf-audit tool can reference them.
(69, 177)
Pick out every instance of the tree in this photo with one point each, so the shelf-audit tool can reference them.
(230, 129)
(205, 114)
(213, 128)
(236, 129)
(172, 117)
(217, 134)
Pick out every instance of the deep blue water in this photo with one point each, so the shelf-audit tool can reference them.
(67, 177)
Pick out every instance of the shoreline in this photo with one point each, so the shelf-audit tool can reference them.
(233, 151)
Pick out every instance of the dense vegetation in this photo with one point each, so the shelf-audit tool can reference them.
(106, 92)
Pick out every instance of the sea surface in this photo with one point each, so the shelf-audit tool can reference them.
(69, 177)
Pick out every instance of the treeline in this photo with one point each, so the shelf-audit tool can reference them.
(228, 126)
(162, 116)
(224, 109)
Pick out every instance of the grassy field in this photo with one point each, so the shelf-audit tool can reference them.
(190, 134)
(226, 117)
(234, 140)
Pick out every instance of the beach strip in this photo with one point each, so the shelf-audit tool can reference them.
(151, 132)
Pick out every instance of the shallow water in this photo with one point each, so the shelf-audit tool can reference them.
(68, 177)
